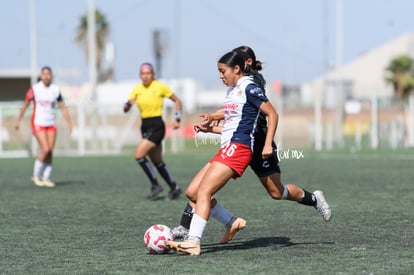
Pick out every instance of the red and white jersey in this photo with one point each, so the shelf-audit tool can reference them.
(44, 101)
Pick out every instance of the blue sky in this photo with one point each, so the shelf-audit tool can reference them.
(288, 36)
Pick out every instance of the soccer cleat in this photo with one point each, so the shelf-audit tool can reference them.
(188, 247)
(180, 232)
(237, 225)
(155, 190)
(322, 206)
(174, 193)
(37, 181)
(48, 183)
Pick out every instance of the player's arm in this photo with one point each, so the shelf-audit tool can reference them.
(207, 119)
(66, 115)
(208, 129)
(21, 113)
(272, 119)
(178, 111)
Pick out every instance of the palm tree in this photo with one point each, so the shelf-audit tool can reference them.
(102, 33)
(401, 75)
(400, 72)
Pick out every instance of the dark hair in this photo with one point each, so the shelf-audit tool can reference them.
(46, 68)
(146, 65)
(233, 59)
(249, 53)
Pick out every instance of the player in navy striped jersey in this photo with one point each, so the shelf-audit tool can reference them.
(242, 104)
(267, 170)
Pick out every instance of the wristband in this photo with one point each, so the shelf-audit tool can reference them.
(178, 115)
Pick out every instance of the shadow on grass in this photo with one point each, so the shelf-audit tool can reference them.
(255, 243)
(69, 182)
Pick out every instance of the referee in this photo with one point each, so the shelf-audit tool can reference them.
(149, 97)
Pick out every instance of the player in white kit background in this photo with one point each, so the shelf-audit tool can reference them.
(45, 96)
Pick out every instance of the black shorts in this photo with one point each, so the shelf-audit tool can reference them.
(263, 167)
(153, 129)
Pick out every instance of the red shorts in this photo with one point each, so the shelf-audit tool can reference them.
(37, 128)
(237, 156)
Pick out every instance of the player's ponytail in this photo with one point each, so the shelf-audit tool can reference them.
(248, 53)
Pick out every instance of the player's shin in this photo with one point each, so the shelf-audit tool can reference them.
(221, 214)
(197, 227)
(187, 216)
(308, 199)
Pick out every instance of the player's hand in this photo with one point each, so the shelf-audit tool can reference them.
(127, 106)
(267, 151)
(176, 125)
(70, 128)
(17, 125)
(201, 128)
(206, 119)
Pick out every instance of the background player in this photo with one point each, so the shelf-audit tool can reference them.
(149, 97)
(44, 96)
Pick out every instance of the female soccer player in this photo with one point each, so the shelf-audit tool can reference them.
(149, 97)
(44, 96)
(268, 170)
(242, 104)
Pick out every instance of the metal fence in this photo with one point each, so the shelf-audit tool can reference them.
(105, 129)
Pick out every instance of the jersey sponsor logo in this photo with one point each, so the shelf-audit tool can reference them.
(231, 106)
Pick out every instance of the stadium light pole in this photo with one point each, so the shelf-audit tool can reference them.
(339, 61)
(33, 43)
(91, 29)
(319, 94)
(33, 60)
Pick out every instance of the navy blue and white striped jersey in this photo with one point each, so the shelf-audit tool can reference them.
(241, 111)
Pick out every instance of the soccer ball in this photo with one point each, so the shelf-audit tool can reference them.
(155, 238)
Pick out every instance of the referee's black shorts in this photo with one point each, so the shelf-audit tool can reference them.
(153, 129)
(263, 167)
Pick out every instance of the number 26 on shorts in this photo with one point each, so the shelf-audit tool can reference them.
(229, 149)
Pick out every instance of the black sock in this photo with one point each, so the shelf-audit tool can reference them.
(166, 174)
(308, 199)
(149, 171)
(187, 216)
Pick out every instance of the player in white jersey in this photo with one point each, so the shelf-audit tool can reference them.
(267, 170)
(45, 96)
(243, 102)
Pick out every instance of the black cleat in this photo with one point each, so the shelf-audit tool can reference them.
(155, 190)
(174, 193)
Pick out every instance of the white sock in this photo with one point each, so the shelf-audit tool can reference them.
(38, 168)
(47, 171)
(221, 214)
(196, 228)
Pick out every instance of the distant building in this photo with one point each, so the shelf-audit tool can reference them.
(14, 84)
(361, 78)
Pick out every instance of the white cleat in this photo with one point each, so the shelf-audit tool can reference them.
(180, 232)
(322, 206)
(48, 183)
(37, 182)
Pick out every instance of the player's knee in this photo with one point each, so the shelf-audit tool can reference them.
(46, 152)
(275, 194)
(192, 196)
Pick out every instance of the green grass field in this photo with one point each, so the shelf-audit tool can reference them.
(94, 220)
